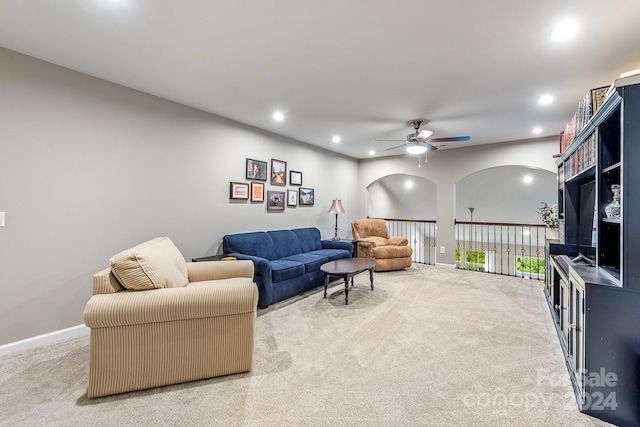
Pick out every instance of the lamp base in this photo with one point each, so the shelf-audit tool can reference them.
(335, 238)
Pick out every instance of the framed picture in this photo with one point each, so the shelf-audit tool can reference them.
(275, 201)
(239, 191)
(292, 198)
(278, 172)
(257, 192)
(256, 169)
(295, 178)
(306, 196)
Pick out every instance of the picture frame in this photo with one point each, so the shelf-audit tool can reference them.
(275, 201)
(295, 178)
(256, 169)
(292, 198)
(278, 172)
(257, 191)
(239, 190)
(307, 196)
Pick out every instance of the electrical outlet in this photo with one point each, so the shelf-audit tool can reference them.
(441, 249)
(1, 219)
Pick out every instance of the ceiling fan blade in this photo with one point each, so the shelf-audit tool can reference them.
(425, 134)
(451, 139)
(431, 147)
(397, 146)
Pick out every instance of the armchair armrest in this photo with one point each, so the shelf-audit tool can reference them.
(217, 270)
(169, 304)
(365, 248)
(398, 241)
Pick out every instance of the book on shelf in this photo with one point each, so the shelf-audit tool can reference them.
(580, 160)
(587, 107)
(598, 95)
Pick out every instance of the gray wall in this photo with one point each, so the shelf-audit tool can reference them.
(448, 167)
(89, 168)
(402, 196)
(499, 194)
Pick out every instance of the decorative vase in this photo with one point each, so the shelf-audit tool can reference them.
(612, 210)
(553, 234)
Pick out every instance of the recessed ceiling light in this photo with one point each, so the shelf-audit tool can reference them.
(527, 179)
(565, 30)
(336, 138)
(536, 130)
(278, 116)
(371, 152)
(545, 99)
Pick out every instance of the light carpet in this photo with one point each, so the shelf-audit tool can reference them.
(429, 346)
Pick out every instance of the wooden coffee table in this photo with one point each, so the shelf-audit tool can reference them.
(347, 268)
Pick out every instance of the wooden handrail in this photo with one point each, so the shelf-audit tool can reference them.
(508, 224)
(431, 221)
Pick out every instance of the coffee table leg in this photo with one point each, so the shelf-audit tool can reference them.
(346, 290)
(326, 284)
(371, 277)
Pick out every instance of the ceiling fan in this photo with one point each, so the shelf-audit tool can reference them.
(420, 141)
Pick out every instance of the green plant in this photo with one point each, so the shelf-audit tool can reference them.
(548, 214)
(531, 265)
(475, 260)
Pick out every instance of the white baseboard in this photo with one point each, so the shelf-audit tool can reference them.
(445, 265)
(40, 340)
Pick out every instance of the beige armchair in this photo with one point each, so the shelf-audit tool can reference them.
(372, 236)
(157, 320)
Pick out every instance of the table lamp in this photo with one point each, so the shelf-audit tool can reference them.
(336, 208)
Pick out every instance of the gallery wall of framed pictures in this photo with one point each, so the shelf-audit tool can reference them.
(258, 172)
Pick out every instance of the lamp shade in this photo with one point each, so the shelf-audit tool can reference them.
(416, 149)
(336, 207)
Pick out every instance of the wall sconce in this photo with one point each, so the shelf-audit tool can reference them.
(336, 208)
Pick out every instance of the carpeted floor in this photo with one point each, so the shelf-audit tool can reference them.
(429, 346)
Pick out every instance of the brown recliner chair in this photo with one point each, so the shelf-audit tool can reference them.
(372, 236)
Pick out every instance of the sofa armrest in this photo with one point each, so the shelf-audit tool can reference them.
(336, 244)
(170, 304)
(218, 270)
(261, 275)
(398, 241)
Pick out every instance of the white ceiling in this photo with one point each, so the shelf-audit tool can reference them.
(359, 69)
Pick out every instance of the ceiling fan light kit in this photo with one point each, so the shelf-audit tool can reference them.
(416, 149)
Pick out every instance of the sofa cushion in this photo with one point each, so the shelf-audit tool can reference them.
(286, 269)
(154, 264)
(332, 254)
(309, 238)
(256, 243)
(312, 262)
(286, 243)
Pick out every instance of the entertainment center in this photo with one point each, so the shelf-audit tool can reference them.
(592, 284)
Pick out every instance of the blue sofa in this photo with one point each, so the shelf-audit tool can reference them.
(287, 262)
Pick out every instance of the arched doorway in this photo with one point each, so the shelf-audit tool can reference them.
(408, 203)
